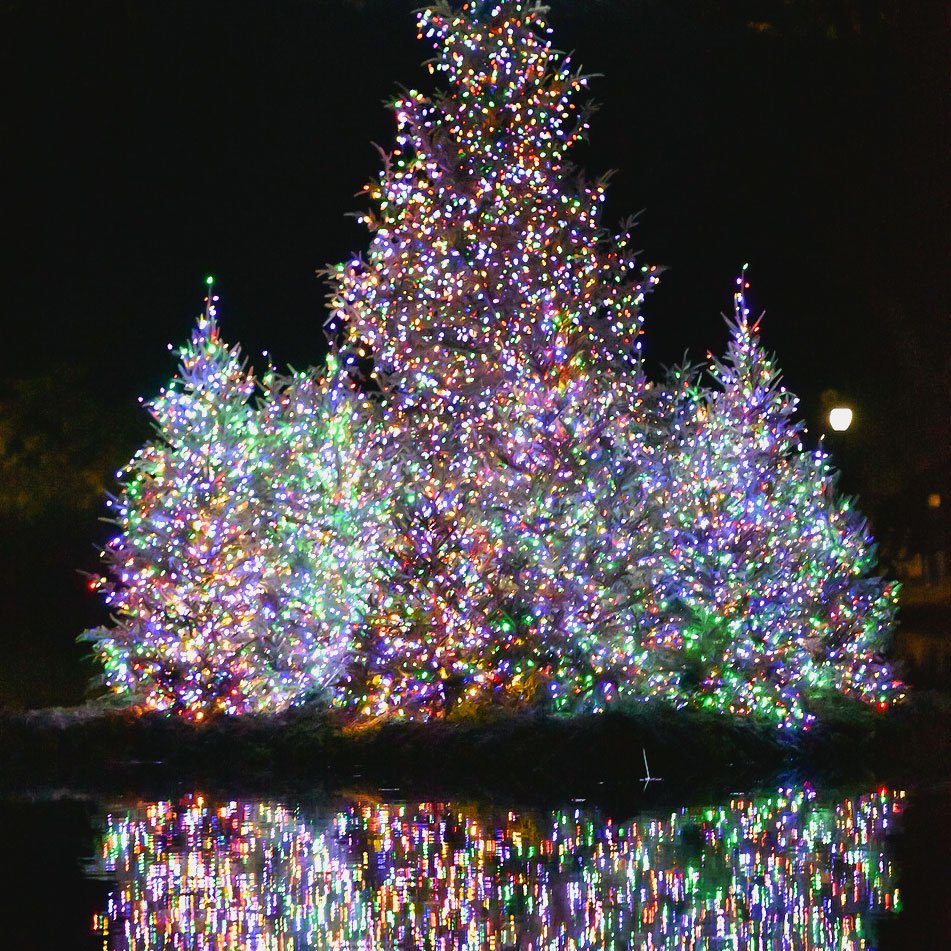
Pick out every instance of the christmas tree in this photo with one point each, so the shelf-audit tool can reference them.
(764, 574)
(490, 298)
(186, 579)
(573, 454)
(422, 646)
(312, 430)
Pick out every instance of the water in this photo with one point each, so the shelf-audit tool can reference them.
(795, 868)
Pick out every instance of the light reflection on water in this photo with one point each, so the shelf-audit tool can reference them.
(786, 871)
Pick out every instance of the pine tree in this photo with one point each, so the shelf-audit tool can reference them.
(420, 649)
(573, 456)
(314, 543)
(185, 576)
(764, 574)
(858, 608)
(484, 254)
(489, 291)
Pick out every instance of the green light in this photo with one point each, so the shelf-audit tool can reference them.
(209, 280)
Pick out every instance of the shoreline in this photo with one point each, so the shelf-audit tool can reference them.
(529, 758)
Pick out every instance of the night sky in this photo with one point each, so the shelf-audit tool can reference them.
(147, 143)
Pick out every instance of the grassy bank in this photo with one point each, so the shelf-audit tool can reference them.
(525, 757)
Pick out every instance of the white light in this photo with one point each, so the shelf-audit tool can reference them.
(840, 418)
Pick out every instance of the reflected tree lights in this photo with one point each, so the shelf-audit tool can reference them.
(784, 871)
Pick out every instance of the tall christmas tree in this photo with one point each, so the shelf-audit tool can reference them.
(765, 573)
(185, 575)
(490, 294)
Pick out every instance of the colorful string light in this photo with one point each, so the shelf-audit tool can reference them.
(482, 500)
(233, 576)
(763, 597)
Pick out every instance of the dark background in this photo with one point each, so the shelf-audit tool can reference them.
(149, 142)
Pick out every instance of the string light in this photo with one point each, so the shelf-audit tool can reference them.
(764, 598)
(481, 499)
(233, 576)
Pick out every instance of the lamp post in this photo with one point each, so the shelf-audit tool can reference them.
(837, 413)
(840, 418)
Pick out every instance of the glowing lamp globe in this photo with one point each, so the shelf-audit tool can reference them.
(840, 418)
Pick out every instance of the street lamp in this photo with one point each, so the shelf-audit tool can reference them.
(840, 418)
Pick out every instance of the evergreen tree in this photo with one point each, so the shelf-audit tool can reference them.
(488, 291)
(316, 554)
(185, 577)
(573, 456)
(486, 252)
(421, 649)
(764, 574)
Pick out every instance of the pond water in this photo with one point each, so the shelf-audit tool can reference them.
(793, 868)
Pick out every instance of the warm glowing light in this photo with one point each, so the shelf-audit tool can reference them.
(840, 418)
